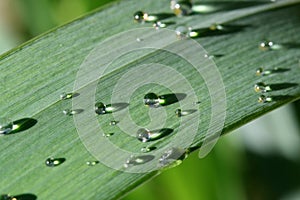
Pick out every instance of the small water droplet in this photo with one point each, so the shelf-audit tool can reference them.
(209, 56)
(216, 26)
(158, 24)
(113, 123)
(137, 160)
(181, 7)
(172, 157)
(6, 126)
(147, 149)
(139, 39)
(262, 87)
(153, 100)
(269, 45)
(71, 112)
(64, 96)
(264, 99)
(107, 134)
(178, 112)
(92, 163)
(53, 162)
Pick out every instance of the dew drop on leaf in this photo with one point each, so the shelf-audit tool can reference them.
(53, 162)
(6, 125)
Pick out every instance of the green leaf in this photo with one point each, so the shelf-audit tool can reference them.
(35, 74)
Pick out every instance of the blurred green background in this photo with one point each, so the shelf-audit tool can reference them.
(259, 161)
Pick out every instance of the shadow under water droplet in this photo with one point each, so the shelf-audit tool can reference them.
(226, 29)
(172, 98)
(282, 86)
(282, 98)
(23, 125)
(291, 45)
(216, 6)
(117, 106)
(280, 70)
(161, 133)
(25, 197)
(162, 16)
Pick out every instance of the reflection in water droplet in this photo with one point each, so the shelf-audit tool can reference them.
(172, 157)
(108, 134)
(92, 163)
(53, 162)
(264, 99)
(137, 160)
(113, 123)
(262, 87)
(153, 100)
(6, 125)
(269, 45)
(181, 7)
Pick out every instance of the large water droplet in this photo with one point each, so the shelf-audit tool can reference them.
(53, 162)
(101, 108)
(137, 160)
(142, 17)
(262, 87)
(172, 157)
(145, 135)
(153, 100)
(181, 7)
(6, 125)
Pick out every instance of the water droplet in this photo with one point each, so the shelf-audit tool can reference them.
(181, 7)
(113, 123)
(216, 26)
(92, 163)
(137, 160)
(142, 17)
(262, 87)
(158, 24)
(18, 197)
(145, 135)
(269, 45)
(178, 112)
(185, 32)
(64, 96)
(72, 112)
(6, 125)
(108, 134)
(153, 100)
(209, 56)
(101, 108)
(264, 99)
(139, 39)
(147, 149)
(53, 162)
(172, 157)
